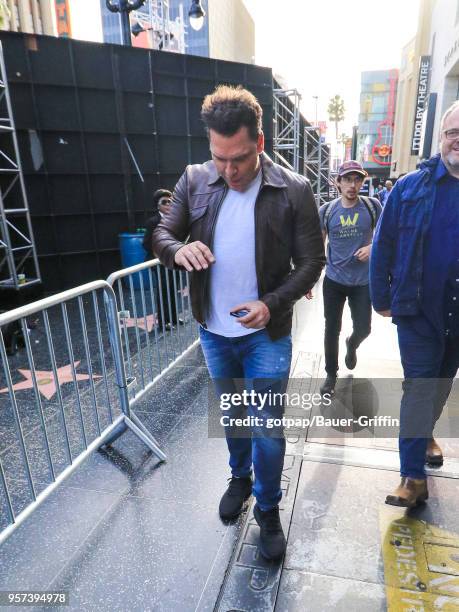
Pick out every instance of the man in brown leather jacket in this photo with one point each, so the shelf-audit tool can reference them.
(247, 221)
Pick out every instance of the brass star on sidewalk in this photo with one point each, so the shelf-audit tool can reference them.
(151, 321)
(45, 380)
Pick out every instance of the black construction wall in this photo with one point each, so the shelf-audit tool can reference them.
(76, 105)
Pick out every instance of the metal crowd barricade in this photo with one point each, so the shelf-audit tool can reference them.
(72, 400)
(156, 322)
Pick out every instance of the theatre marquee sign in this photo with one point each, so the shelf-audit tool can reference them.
(422, 92)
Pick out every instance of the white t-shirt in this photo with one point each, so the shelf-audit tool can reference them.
(233, 277)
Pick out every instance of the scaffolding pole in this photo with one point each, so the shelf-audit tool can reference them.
(317, 165)
(287, 128)
(18, 256)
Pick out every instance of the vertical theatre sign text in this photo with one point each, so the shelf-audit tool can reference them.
(423, 88)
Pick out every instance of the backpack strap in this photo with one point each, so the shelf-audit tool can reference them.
(328, 210)
(371, 207)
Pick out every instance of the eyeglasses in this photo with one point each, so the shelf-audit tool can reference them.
(352, 180)
(451, 134)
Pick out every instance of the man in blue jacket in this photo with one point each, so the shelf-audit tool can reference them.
(414, 277)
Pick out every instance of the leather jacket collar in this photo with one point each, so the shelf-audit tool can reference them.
(270, 173)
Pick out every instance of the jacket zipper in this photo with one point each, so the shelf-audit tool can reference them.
(257, 262)
(211, 244)
(424, 230)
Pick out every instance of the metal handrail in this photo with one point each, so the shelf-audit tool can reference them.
(115, 427)
(185, 343)
(131, 270)
(29, 309)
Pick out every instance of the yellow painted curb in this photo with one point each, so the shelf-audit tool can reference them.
(421, 564)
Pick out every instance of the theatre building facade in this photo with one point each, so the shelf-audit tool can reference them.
(429, 84)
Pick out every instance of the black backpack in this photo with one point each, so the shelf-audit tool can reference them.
(369, 205)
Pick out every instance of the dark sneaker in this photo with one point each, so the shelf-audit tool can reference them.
(328, 387)
(272, 540)
(434, 455)
(232, 502)
(351, 356)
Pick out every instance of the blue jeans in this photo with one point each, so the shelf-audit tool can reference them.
(263, 365)
(430, 363)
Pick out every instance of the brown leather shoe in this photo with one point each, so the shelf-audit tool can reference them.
(409, 493)
(434, 455)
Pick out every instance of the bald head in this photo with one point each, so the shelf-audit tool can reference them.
(449, 139)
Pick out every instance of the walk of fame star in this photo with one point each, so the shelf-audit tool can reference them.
(151, 321)
(45, 380)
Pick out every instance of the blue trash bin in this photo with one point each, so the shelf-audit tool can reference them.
(132, 253)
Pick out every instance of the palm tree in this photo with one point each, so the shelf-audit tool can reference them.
(336, 111)
(4, 12)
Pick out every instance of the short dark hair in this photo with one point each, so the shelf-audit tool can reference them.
(228, 109)
(161, 193)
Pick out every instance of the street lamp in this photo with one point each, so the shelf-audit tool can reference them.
(196, 15)
(136, 29)
(124, 7)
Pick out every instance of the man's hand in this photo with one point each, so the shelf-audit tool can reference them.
(257, 317)
(363, 254)
(309, 295)
(194, 256)
(384, 313)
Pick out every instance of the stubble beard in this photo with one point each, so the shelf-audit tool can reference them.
(452, 163)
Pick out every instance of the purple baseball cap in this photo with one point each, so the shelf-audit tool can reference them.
(351, 166)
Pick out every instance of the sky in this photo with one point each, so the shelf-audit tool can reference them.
(321, 46)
